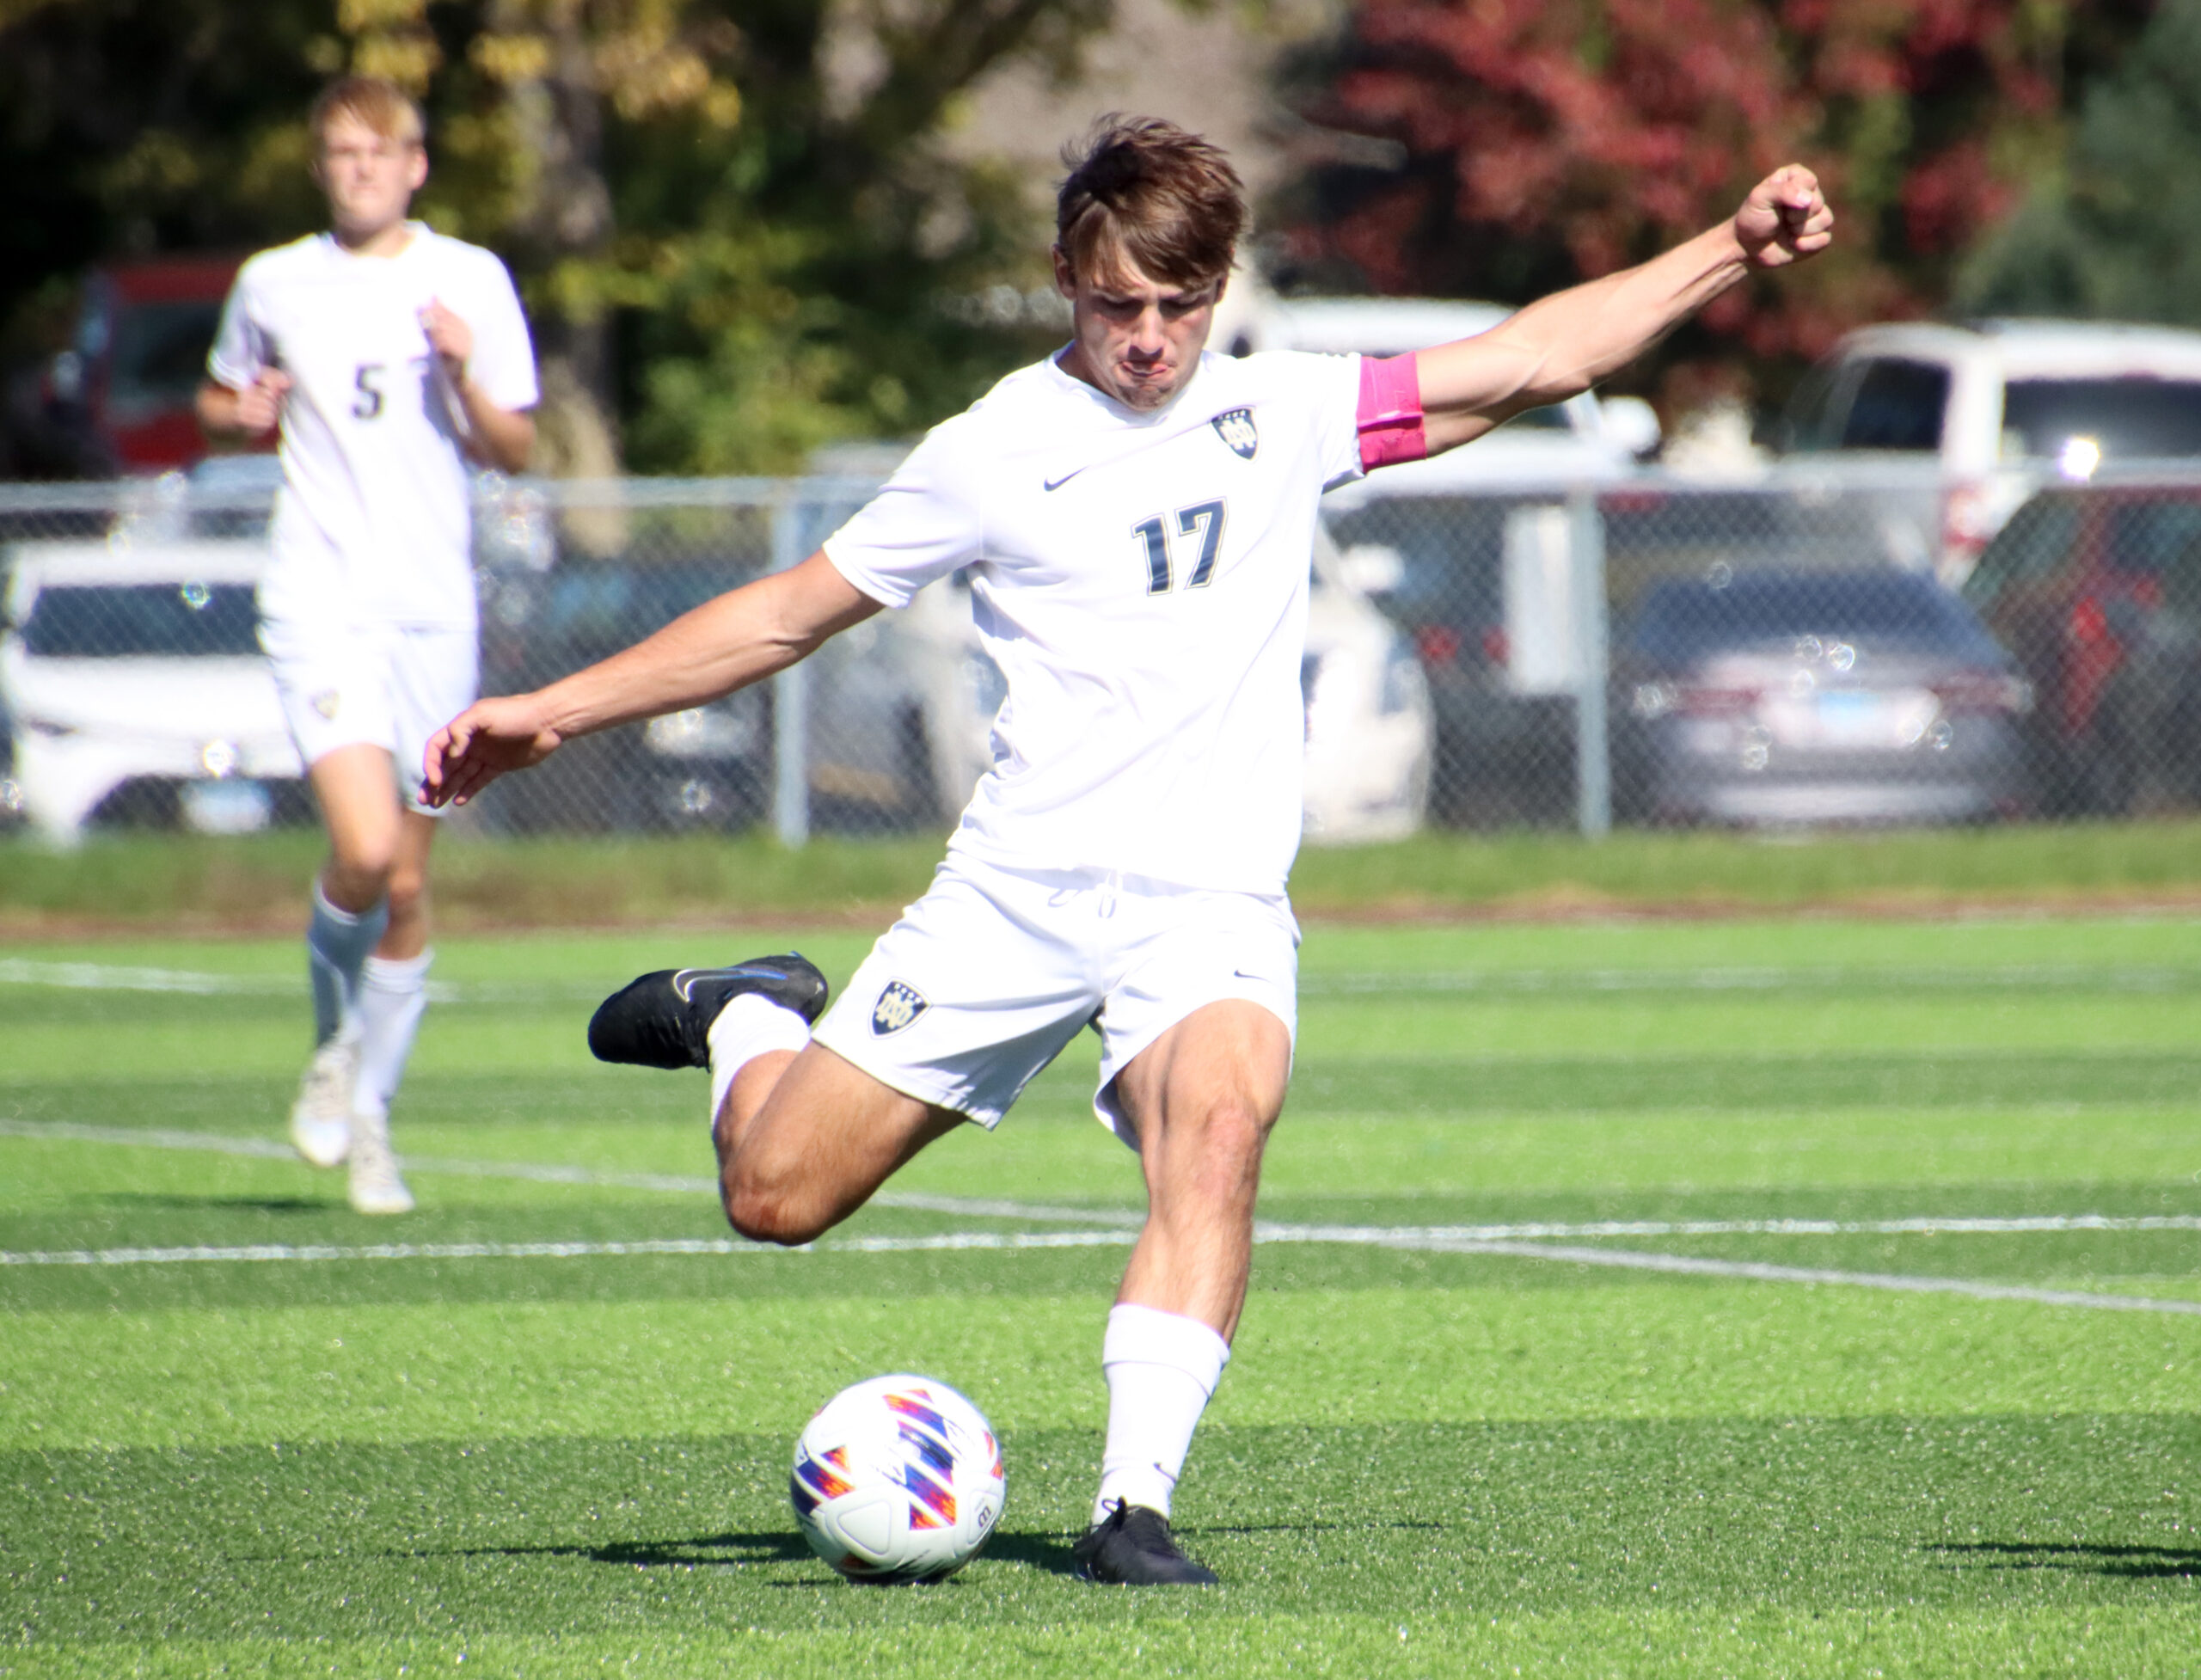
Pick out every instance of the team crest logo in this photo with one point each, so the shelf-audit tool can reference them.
(898, 1006)
(326, 702)
(1235, 428)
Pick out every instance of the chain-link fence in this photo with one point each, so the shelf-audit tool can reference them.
(1793, 649)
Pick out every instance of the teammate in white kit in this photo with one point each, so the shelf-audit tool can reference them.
(389, 356)
(1135, 518)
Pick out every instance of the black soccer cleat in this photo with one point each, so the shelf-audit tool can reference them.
(664, 1020)
(1132, 1546)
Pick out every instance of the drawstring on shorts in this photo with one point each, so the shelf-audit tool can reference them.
(1104, 906)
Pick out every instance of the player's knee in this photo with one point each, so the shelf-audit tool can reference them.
(768, 1213)
(1235, 1126)
(407, 887)
(1214, 1153)
(364, 864)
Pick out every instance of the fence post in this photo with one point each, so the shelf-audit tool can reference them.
(790, 692)
(1593, 774)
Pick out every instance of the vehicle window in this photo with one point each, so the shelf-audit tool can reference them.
(142, 621)
(1549, 418)
(594, 610)
(1898, 405)
(2025, 551)
(2161, 540)
(2135, 417)
(1450, 549)
(160, 350)
(1683, 620)
(1809, 421)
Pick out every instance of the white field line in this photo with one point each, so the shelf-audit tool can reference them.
(1523, 1242)
(970, 1207)
(965, 1241)
(2014, 976)
(1764, 1272)
(540, 1173)
(115, 977)
(1442, 1236)
(2017, 977)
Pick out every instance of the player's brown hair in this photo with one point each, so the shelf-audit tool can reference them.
(376, 102)
(1146, 189)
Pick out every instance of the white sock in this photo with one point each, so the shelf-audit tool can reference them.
(1161, 1367)
(748, 1025)
(393, 993)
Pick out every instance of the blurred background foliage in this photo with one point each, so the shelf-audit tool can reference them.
(1537, 142)
(741, 235)
(2115, 230)
(734, 235)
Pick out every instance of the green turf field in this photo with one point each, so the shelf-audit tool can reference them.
(1478, 1421)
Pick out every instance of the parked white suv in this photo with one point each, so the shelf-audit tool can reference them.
(2000, 407)
(136, 688)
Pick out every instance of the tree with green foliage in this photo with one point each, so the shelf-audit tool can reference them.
(2116, 232)
(734, 230)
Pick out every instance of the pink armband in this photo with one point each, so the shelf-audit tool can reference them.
(1390, 412)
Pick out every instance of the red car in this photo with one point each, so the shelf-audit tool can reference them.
(118, 401)
(2097, 590)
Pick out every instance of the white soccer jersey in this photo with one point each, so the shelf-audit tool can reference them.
(374, 522)
(1141, 579)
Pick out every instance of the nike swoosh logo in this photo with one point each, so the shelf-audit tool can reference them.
(685, 979)
(1191, 429)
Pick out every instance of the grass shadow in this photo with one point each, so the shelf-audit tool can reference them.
(2121, 1563)
(702, 1551)
(140, 1199)
(1044, 1552)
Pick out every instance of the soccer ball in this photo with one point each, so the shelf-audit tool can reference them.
(898, 1479)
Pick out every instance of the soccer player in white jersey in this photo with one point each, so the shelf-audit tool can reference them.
(1135, 517)
(389, 357)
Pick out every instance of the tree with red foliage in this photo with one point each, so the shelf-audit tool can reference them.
(1542, 142)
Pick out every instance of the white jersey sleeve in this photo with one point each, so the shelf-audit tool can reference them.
(242, 350)
(502, 365)
(926, 522)
(1330, 385)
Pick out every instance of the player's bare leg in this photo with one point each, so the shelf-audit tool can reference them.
(393, 996)
(406, 889)
(357, 788)
(360, 808)
(803, 1135)
(368, 951)
(1201, 1099)
(805, 1138)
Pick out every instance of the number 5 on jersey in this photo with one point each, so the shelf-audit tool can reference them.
(1203, 519)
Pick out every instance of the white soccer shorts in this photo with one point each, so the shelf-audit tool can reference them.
(381, 685)
(987, 977)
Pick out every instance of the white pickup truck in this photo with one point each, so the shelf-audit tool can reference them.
(1953, 425)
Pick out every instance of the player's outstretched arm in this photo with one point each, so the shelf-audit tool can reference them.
(1562, 345)
(726, 644)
